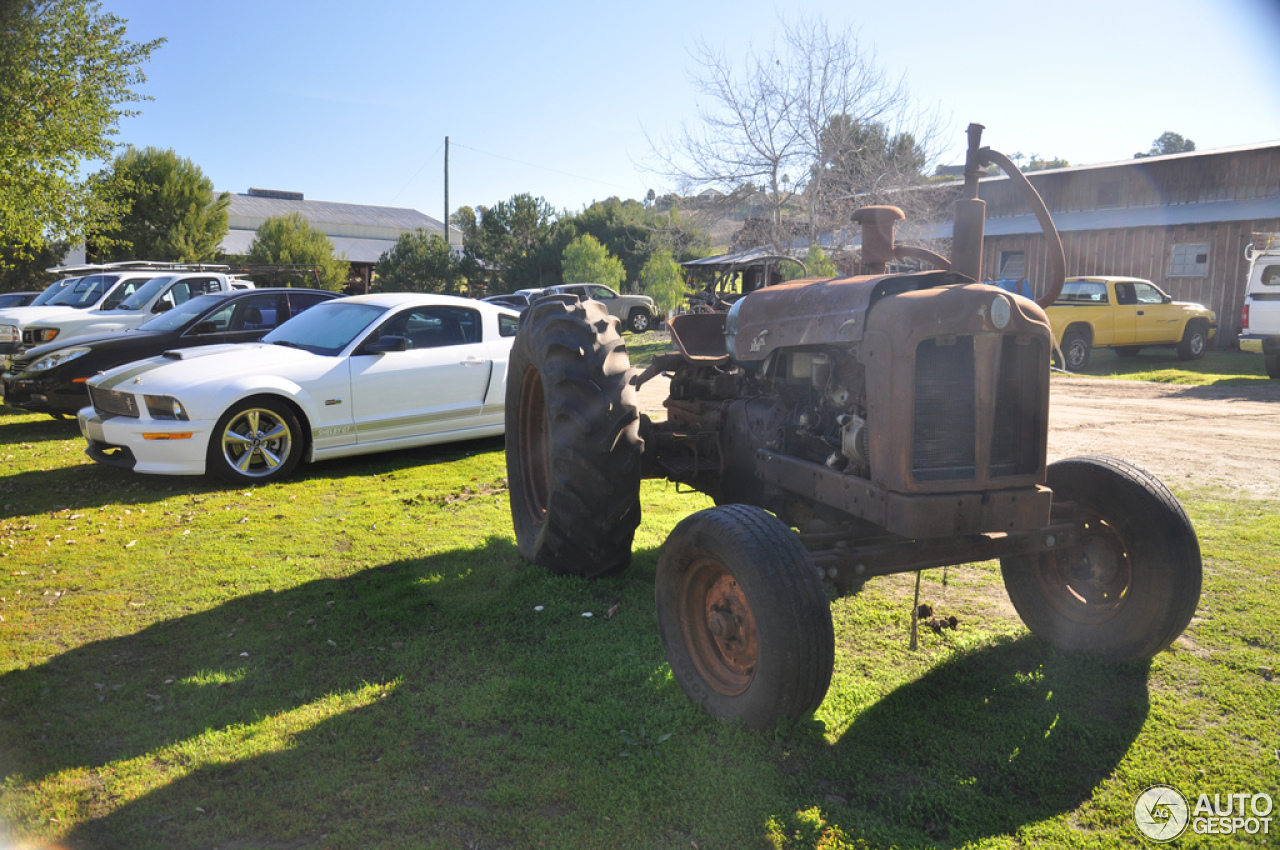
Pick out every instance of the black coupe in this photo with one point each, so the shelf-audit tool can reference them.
(50, 378)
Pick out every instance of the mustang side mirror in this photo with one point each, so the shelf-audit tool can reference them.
(384, 344)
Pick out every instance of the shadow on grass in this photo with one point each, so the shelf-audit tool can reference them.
(91, 485)
(437, 635)
(983, 744)
(18, 426)
(495, 724)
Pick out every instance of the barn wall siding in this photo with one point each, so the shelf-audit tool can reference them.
(1245, 174)
(1146, 252)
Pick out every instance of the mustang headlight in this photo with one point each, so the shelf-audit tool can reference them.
(165, 407)
(56, 358)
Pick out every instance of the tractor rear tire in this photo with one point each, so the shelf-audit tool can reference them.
(744, 617)
(1130, 584)
(573, 439)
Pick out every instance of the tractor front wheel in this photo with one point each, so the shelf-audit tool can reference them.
(1130, 583)
(744, 617)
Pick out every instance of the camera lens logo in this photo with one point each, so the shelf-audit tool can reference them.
(1161, 813)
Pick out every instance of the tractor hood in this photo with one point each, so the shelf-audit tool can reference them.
(816, 311)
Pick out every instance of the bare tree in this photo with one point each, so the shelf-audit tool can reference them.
(802, 128)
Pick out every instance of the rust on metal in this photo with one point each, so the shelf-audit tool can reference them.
(719, 628)
(914, 515)
(817, 311)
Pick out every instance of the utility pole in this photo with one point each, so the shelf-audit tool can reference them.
(446, 190)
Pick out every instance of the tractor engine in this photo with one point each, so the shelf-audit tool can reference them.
(917, 403)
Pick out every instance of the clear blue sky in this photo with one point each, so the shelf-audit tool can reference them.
(351, 102)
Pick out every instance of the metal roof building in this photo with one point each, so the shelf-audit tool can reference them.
(362, 233)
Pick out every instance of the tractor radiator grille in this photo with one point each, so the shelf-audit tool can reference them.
(946, 424)
(1016, 437)
(943, 436)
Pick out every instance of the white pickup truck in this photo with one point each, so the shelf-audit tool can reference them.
(129, 298)
(1260, 318)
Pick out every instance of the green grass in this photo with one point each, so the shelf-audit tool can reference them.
(1220, 368)
(358, 658)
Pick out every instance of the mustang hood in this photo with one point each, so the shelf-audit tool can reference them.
(176, 372)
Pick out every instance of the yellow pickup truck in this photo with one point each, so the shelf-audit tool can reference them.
(1127, 314)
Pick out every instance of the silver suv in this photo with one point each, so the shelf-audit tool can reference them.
(637, 312)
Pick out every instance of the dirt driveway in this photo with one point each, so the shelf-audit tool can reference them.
(1188, 436)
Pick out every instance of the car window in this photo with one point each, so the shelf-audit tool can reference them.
(508, 325)
(326, 328)
(185, 290)
(134, 294)
(181, 316)
(602, 293)
(433, 327)
(1148, 294)
(257, 313)
(299, 301)
(52, 291)
(1271, 275)
(126, 287)
(219, 321)
(1124, 293)
(1088, 291)
(84, 293)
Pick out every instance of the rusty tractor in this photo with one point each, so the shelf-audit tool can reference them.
(845, 429)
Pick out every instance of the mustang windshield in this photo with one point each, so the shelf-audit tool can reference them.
(325, 328)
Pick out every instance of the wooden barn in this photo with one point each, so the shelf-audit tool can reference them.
(1180, 220)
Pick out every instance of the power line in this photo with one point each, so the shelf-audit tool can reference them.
(415, 174)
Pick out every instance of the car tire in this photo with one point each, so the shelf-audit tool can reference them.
(1075, 351)
(573, 439)
(1273, 365)
(257, 441)
(1195, 340)
(639, 321)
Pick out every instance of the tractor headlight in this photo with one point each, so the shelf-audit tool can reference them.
(56, 358)
(165, 407)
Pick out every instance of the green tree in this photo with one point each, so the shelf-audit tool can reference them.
(291, 239)
(816, 264)
(65, 71)
(520, 241)
(1168, 142)
(585, 260)
(420, 262)
(25, 270)
(662, 280)
(170, 212)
